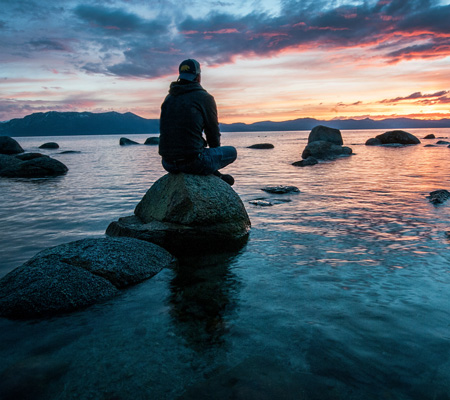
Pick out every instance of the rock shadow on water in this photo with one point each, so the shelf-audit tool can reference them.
(203, 295)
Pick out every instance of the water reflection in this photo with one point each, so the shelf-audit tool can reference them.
(203, 296)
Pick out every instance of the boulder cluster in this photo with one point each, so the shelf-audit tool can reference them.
(15, 163)
(179, 215)
(324, 143)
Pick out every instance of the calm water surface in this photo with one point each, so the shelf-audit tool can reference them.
(342, 292)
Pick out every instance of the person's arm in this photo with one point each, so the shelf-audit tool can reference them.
(211, 122)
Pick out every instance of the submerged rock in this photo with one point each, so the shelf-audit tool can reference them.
(439, 196)
(397, 137)
(78, 274)
(9, 146)
(35, 166)
(281, 189)
(322, 150)
(442, 142)
(152, 140)
(261, 146)
(126, 142)
(49, 145)
(261, 203)
(324, 133)
(188, 214)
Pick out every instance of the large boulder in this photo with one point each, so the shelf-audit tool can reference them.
(188, 214)
(78, 274)
(9, 146)
(398, 137)
(324, 133)
(323, 150)
(35, 166)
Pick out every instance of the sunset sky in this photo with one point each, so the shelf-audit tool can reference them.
(261, 60)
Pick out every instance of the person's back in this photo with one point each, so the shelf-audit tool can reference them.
(187, 112)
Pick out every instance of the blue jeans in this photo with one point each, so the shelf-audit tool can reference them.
(208, 161)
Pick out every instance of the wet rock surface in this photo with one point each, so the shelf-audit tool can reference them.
(78, 274)
(188, 214)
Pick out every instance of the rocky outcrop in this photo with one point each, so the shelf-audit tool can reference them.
(126, 142)
(78, 274)
(395, 137)
(188, 214)
(322, 150)
(30, 165)
(9, 146)
(326, 134)
(152, 141)
(261, 146)
(49, 145)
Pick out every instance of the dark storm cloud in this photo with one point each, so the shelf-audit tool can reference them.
(391, 27)
(48, 45)
(112, 37)
(118, 21)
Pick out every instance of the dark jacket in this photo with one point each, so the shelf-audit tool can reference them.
(186, 112)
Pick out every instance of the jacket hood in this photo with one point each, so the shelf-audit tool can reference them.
(177, 88)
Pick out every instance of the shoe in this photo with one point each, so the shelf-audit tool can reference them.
(225, 177)
(228, 179)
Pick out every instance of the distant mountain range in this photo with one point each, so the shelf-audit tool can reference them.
(55, 123)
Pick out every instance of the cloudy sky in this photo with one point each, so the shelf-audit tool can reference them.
(262, 60)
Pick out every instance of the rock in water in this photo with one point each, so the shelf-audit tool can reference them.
(261, 146)
(430, 136)
(34, 166)
(49, 145)
(439, 196)
(373, 142)
(9, 146)
(326, 134)
(281, 189)
(304, 163)
(78, 274)
(322, 150)
(154, 140)
(188, 214)
(126, 142)
(400, 137)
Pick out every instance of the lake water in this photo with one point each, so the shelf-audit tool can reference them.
(343, 292)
